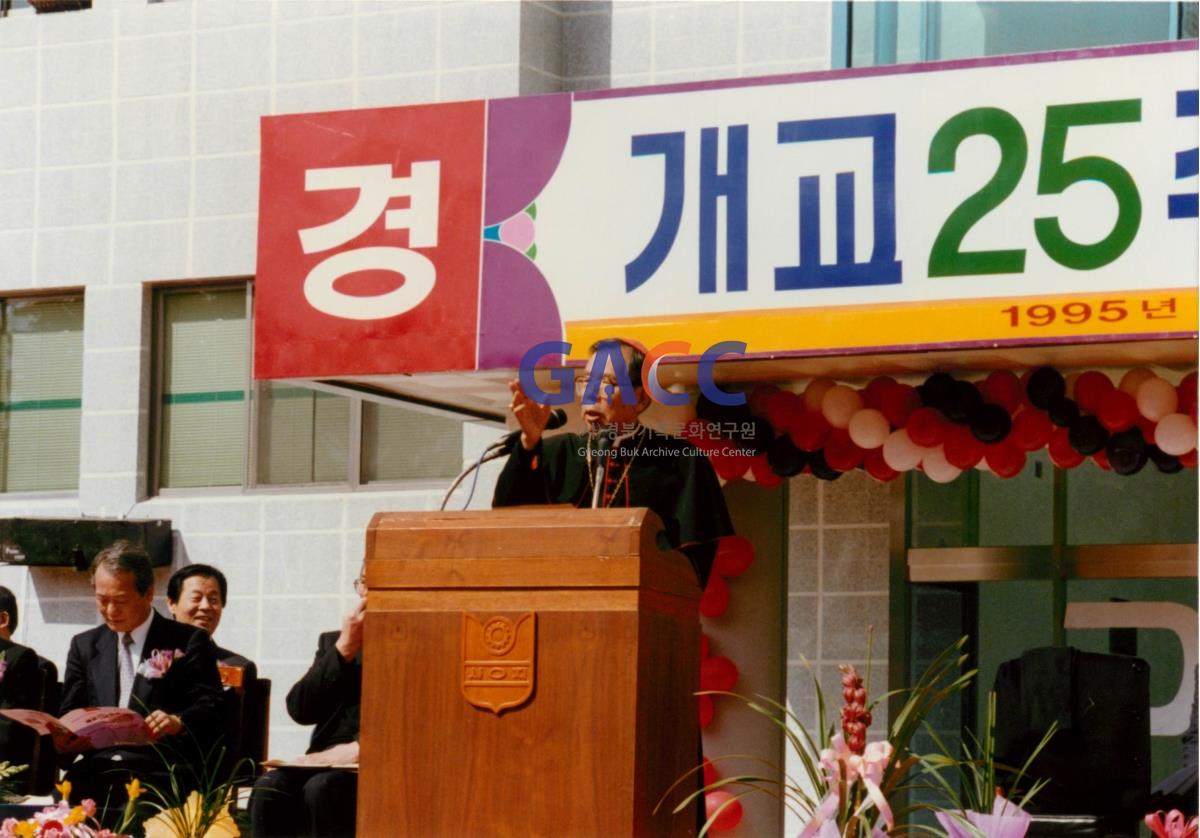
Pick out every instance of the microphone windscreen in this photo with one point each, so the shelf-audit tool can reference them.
(558, 418)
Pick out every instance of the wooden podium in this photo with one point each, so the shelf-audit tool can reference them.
(527, 672)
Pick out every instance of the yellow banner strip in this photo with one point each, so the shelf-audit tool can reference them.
(1088, 317)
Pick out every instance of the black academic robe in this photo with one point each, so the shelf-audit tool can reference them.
(664, 473)
(20, 687)
(328, 696)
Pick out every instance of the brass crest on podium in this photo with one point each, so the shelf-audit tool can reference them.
(498, 660)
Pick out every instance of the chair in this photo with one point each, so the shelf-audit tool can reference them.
(1099, 760)
(256, 722)
(43, 767)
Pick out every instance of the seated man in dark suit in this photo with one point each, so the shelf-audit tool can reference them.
(304, 802)
(106, 667)
(196, 595)
(20, 687)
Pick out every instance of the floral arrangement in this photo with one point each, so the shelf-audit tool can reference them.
(1174, 824)
(977, 804)
(202, 812)
(849, 778)
(157, 664)
(7, 772)
(62, 820)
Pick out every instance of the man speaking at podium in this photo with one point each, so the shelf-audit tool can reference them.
(619, 462)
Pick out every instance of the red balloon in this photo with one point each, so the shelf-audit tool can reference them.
(1100, 458)
(1187, 394)
(897, 403)
(1005, 460)
(1147, 428)
(1118, 410)
(763, 474)
(1002, 387)
(926, 427)
(734, 555)
(809, 431)
(718, 673)
(715, 598)
(1025, 376)
(840, 452)
(873, 393)
(783, 408)
(1030, 429)
(1090, 389)
(710, 772)
(707, 710)
(758, 398)
(961, 448)
(1061, 452)
(730, 809)
(704, 645)
(1189, 459)
(877, 467)
(729, 463)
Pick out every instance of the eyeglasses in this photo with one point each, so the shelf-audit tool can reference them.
(360, 586)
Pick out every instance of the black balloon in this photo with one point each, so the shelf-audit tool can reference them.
(1087, 435)
(990, 423)
(964, 401)
(754, 435)
(937, 391)
(784, 458)
(1126, 451)
(1164, 462)
(820, 468)
(1063, 412)
(710, 411)
(1045, 385)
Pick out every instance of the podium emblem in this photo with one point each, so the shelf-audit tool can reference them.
(498, 660)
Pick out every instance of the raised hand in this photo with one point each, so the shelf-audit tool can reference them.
(530, 415)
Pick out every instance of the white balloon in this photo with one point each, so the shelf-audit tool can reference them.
(1175, 434)
(839, 405)
(900, 452)
(937, 468)
(1156, 398)
(868, 428)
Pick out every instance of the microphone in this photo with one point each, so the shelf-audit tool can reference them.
(558, 418)
(603, 443)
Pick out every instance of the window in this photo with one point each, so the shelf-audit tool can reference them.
(891, 33)
(215, 427)
(41, 382)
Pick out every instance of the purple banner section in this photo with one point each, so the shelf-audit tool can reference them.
(517, 308)
(525, 141)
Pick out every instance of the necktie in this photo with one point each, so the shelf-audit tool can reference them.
(125, 662)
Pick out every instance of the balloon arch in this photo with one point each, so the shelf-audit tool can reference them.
(946, 426)
(941, 427)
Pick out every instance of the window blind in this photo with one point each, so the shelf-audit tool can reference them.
(303, 436)
(40, 393)
(203, 399)
(403, 444)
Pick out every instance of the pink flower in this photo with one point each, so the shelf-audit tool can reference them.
(89, 807)
(1173, 825)
(160, 660)
(6, 828)
(1007, 820)
(3, 666)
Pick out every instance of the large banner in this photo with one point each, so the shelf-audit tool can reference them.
(1027, 199)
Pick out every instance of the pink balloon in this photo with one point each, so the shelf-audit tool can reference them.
(1175, 434)
(900, 452)
(1156, 398)
(1132, 380)
(839, 404)
(814, 393)
(937, 468)
(868, 428)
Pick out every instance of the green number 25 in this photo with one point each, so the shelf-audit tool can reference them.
(1055, 175)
